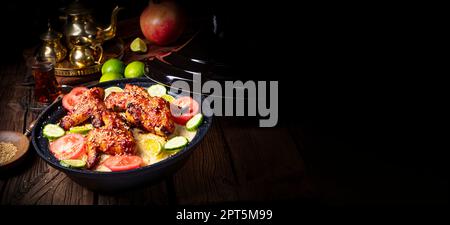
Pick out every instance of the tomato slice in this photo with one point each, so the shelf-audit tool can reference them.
(72, 98)
(70, 146)
(183, 109)
(123, 162)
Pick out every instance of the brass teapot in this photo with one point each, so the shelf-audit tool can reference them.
(84, 37)
(51, 49)
(82, 56)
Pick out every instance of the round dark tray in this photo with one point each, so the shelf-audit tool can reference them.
(113, 181)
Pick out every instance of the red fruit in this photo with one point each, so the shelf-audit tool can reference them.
(70, 146)
(123, 162)
(71, 99)
(183, 109)
(162, 23)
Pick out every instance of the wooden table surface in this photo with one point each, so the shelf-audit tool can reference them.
(233, 163)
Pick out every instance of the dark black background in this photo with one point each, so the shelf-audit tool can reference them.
(351, 76)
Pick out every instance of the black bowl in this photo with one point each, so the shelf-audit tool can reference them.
(113, 181)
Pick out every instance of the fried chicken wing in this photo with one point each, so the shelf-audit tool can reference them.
(118, 101)
(90, 106)
(114, 138)
(149, 113)
(152, 115)
(112, 134)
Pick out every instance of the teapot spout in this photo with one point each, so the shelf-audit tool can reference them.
(110, 32)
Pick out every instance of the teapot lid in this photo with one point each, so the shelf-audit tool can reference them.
(77, 8)
(50, 34)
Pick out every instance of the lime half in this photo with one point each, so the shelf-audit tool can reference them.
(112, 89)
(138, 45)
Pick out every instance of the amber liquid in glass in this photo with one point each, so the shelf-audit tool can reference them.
(45, 88)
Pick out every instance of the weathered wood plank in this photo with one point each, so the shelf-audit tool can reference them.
(38, 183)
(267, 163)
(18, 188)
(11, 113)
(53, 187)
(207, 177)
(154, 195)
(2, 186)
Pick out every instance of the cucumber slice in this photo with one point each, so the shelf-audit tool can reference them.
(176, 143)
(173, 151)
(63, 163)
(53, 131)
(81, 129)
(74, 163)
(194, 122)
(168, 98)
(157, 90)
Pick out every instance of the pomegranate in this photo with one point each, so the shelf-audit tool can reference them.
(162, 22)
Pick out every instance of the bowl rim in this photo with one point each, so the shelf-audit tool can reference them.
(20, 153)
(169, 160)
